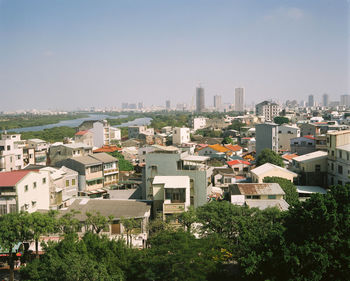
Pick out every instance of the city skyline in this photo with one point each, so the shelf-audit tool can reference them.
(69, 54)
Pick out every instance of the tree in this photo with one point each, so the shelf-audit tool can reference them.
(67, 223)
(281, 120)
(129, 225)
(292, 197)
(96, 222)
(40, 224)
(269, 156)
(124, 165)
(14, 229)
(188, 218)
(227, 140)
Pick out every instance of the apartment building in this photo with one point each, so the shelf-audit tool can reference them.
(267, 109)
(171, 195)
(170, 161)
(266, 137)
(303, 145)
(24, 190)
(285, 134)
(181, 135)
(135, 131)
(338, 148)
(61, 152)
(86, 137)
(11, 152)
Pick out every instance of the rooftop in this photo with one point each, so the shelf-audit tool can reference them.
(281, 204)
(81, 133)
(108, 148)
(344, 147)
(311, 156)
(172, 181)
(104, 157)
(257, 189)
(235, 162)
(13, 177)
(268, 167)
(310, 189)
(109, 207)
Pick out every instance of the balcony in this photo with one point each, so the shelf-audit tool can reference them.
(169, 208)
(110, 171)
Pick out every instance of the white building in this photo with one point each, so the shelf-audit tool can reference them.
(285, 134)
(199, 123)
(181, 135)
(24, 190)
(11, 152)
(267, 109)
(104, 134)
(239, 99)
(173, 193)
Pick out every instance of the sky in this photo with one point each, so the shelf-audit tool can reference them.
(65, 54)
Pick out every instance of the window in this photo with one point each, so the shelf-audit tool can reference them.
(317, 168)
(340, 169)
(9, 147)
(227, 180)
(34, 184)
(332, 153)
(340, 182)
(67, 183)
(256, 197)
(340, 154)
(3, 210)
(13, 208)
(116, 228)
(73, 181)
(95, 169)
(44, 180)
(332, 166)
(18, 157)
(271, 197)
(26, 188)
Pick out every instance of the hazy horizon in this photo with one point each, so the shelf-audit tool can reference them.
(69, 54)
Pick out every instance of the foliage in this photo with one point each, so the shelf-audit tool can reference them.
(269, 156)
(171, 119)
(292, 197)
(28, 120)
(91, 258)
(129, 225)
(281, 120)
(210, 133)
(227, 140)
(236, 125)
(50, 135)
(188, 218)
(124, 165)
(67, 223)
(95, 222)
(14, 228)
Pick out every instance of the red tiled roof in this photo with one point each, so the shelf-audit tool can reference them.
(13, 177)
(289, 156)
(108, 148)
(310, 137)
(81, 133)
(237, 161)
(233, 147)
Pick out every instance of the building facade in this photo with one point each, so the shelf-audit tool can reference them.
(266, 137)
(267, 109)
(239, 99)
(200, 101)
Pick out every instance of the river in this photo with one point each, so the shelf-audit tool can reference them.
(76, 122)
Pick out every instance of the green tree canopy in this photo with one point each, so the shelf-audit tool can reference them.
(124, 165)
(269, 156)
(281, 120)
(292, 197)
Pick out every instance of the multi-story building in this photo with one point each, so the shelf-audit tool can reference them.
(86, 137)
(217, 102)
(24, 190)
(325, 99)
(200, 102)
(338, 146)
(63, 151)
(345, 100)
(181, 135)
(266, 137)
(104, 134)
(303, 145)
(135, 131)
(285, 134)
(311, 168)
(35, 152)
(171, 195)
(311, 101)
(199, 123)
(170, 161)
(95, 172)
(11, 152)
(239, 99)
(267, 109)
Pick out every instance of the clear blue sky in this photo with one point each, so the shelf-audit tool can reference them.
(80, 53)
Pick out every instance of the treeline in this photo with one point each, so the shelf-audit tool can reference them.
(311, 241)
(22, 121)
(56, 134)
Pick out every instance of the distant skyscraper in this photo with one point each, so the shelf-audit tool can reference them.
(200, 103)
(167, 104)
(125, 105)
(325, 99)
(140, 105)
(239, 99)
(311, 102)
(345, 100)
(217, 102)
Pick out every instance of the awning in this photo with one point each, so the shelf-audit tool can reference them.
(95, 179)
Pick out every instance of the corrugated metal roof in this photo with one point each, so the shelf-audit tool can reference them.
(258, 189)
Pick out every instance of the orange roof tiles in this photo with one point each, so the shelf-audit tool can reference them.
(219, 148)
(108, 148)
(289, 156)
(233, 147)
(235, 162)
(81, 133)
